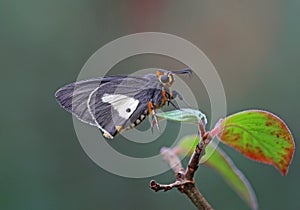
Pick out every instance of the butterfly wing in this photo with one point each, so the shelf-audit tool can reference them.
(117, 105)
(73, 97)
(112, 103)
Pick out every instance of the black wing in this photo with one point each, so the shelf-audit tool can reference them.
(73, 97)
(118, 104)
(111, 103)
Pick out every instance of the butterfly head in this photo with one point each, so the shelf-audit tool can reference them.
(166, 78)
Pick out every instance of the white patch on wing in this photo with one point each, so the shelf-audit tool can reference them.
(123, 104)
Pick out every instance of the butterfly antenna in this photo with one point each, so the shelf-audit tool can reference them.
(184, 71)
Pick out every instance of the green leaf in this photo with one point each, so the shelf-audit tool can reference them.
(216, 159)
(183, 115)
(187, 145)
(261, 136)
(220, 162)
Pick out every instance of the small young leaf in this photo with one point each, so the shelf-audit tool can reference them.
(261, 136)
(216, 159)
(187, 145)
(183, 115)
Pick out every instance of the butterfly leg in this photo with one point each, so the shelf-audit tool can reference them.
(176, 94)
(152, 112)
(168, 97)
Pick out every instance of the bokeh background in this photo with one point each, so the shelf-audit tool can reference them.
(254, 46)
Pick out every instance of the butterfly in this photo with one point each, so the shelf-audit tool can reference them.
(118, 103)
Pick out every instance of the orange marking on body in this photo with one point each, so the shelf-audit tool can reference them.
(164, 98)
(151, 108)
(159, 73)
(119, 128)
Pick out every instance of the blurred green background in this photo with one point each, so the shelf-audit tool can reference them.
(254, 46)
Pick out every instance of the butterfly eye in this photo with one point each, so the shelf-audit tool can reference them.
(164, 78)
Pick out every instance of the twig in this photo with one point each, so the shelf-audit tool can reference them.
(196, 197)
(185, 178)
(165, 187)
(197, 155)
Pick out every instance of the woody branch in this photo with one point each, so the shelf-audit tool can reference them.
(185, 178)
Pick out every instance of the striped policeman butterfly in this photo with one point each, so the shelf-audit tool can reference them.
(118, 103)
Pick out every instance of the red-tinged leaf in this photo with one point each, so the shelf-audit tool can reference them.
(259, 135)
(216, 159)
